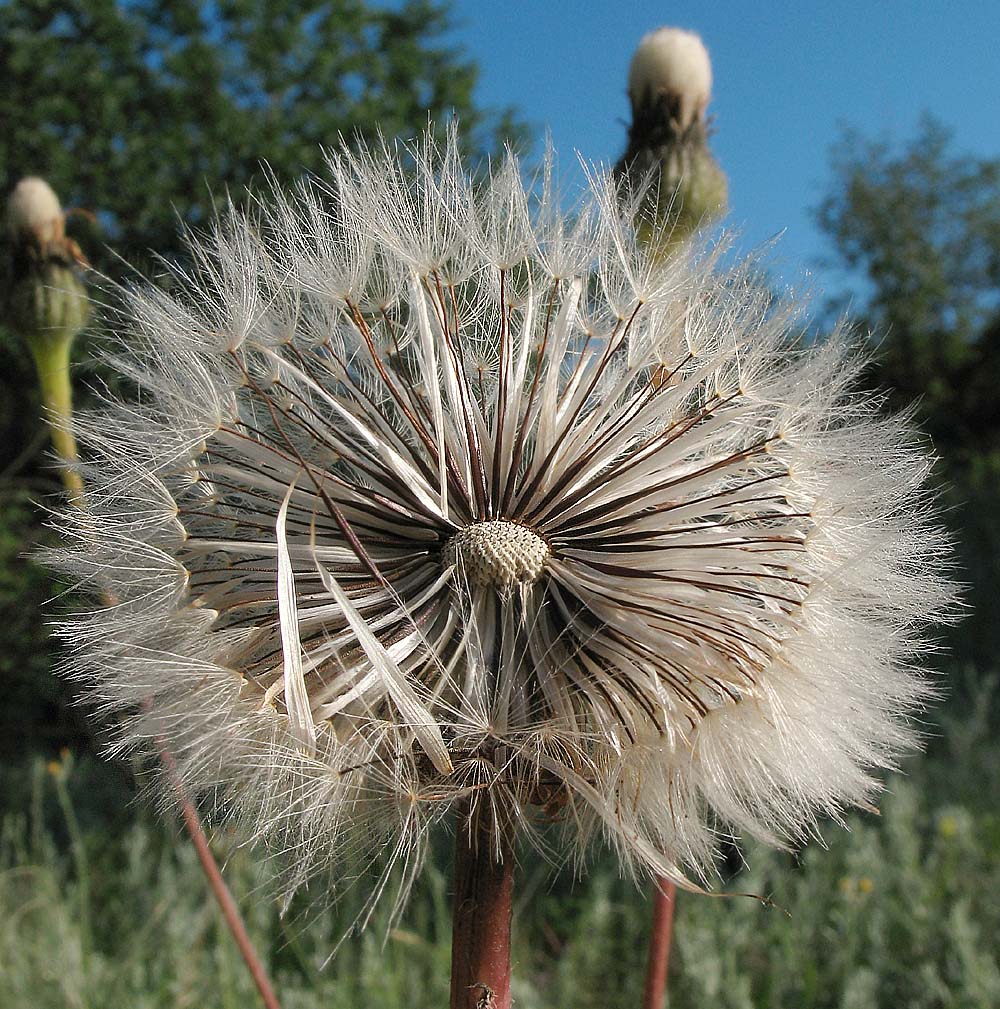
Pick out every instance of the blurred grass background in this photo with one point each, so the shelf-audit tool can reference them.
(900, 910)
(150, 111)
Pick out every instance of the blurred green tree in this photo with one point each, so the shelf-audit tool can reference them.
(921, 225)
(151, 110)
(146, 113)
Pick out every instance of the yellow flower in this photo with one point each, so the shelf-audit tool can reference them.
(948, 827)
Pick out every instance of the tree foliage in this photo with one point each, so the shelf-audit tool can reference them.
(921, 225)
(150, 109)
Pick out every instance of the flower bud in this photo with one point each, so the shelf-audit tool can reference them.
(34, 216)
(46, 300)
(673, 63)
(669, 86)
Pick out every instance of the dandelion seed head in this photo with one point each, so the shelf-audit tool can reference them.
(434, 494)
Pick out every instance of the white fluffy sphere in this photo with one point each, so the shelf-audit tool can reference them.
(674, 62)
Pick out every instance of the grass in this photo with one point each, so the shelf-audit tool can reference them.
(900, 911)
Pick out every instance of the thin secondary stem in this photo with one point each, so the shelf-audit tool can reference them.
(664, 896)
(52, 362)
(221, 892)
(480, 944)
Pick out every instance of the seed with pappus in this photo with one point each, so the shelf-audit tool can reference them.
(435, 499)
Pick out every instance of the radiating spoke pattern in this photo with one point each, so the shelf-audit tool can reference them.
(432, 493)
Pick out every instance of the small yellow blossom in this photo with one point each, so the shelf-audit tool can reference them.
(948, 827)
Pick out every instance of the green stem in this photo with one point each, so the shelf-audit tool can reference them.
(51, 351)
(52, 358)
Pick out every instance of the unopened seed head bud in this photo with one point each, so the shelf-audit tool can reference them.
(45, 299)
(668, 157)
(34, 214)
(674, 62)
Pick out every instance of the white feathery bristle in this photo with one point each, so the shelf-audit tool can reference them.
(432, 492)
(675, 62)
(33, 210)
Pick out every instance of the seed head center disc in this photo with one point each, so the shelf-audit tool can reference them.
(498, 553)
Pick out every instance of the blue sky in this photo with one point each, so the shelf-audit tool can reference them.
(786, 76)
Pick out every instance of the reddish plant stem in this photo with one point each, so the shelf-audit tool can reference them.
(480, 944)
(664, 895)
(57, 396)
(230, 912)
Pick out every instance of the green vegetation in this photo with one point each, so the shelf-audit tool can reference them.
(920, 225)
(153, 110)
(899, 912)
